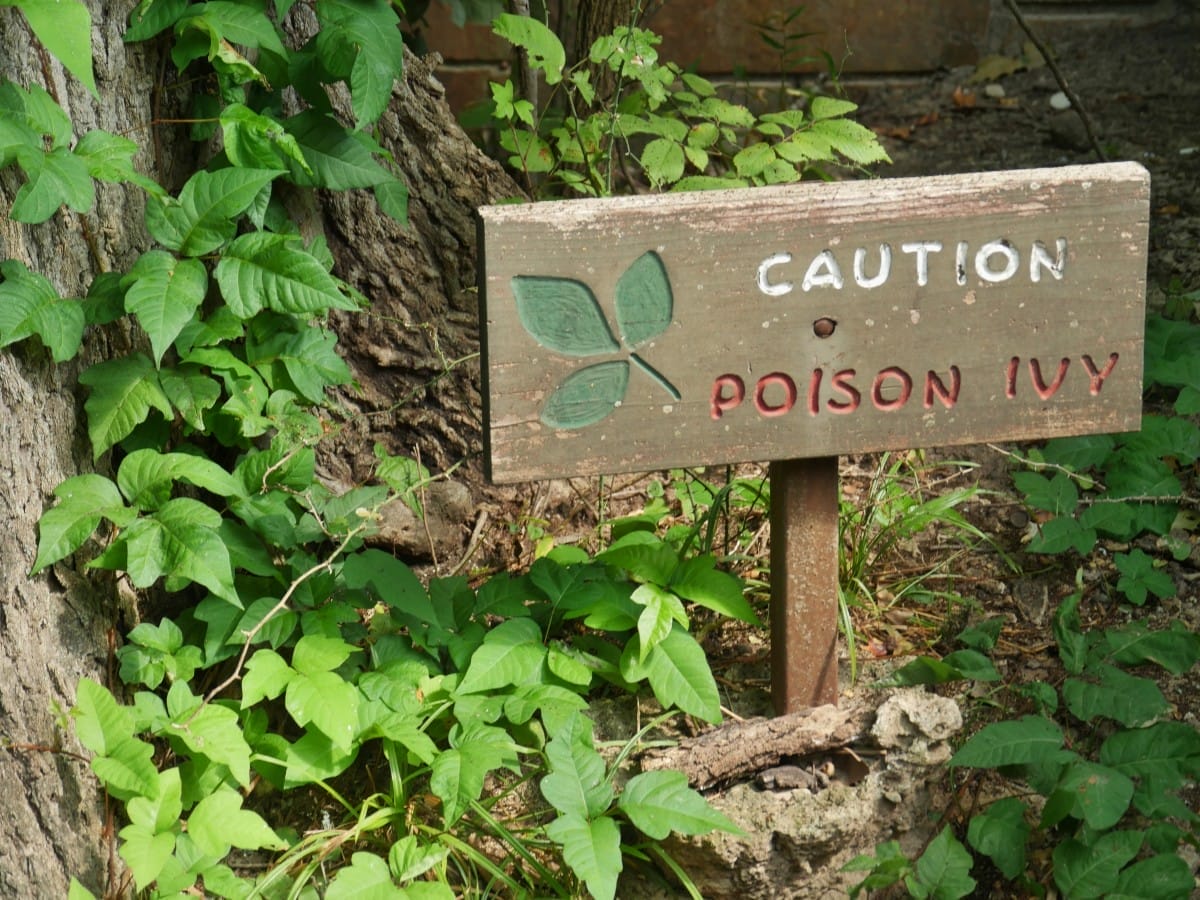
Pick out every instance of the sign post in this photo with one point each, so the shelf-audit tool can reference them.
(798, 323)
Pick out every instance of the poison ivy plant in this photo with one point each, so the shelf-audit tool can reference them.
(1118, 487)
(1109, 776)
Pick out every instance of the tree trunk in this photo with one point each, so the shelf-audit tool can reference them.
(413, 354)
(55, 629)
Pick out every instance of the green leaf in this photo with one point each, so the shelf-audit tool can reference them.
(697, 579)
(337, 159)
(577, 783)
(64, 27)
(191, 392)
(962, 664)
(1030, 739)
(315, 653)
(261, 270)
(678, 672)
(545, 50)
(1165, 876)
(663, 161)
(30, 306)
(328, 702)
(83, 501)
(164, 293)
(1068, 633)
(1100, 794)
(660, 802)
(1057, 495)
(371, 28)
(457, 775)
(25, 116)
(212, 732)
(1083, 871)
(55, 178)
(662, 610)
(100, 722)
(146, 477)
(124, 390)
(178, 541)
(648, 558)
(161, 811)
(206, 214)
(856, 142)
(1140, 577)
(751, 161)
(644, 300)
(941, 872)
(1001, 832)
(587, 395)
(1162, 748)
(109, 157)
(145, 851)
(308, 357)
(267, 675)
(316, 758)
(392, 197)
(255, 141)
(830, 107)
(512, 654)
(150, 17)
(366, 878)
(1108, 692)
(1176, 649)
(218, 823)
(562, 314)
(593, 851)
(409, 859)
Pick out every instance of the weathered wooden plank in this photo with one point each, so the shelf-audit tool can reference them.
(812, 320)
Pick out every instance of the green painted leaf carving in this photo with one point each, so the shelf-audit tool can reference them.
(644, 300)
(588, 395)
(562, 314)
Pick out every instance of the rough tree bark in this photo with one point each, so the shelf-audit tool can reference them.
(412, 355)
(55, 629)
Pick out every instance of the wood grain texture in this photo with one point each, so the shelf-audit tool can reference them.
(712, 247)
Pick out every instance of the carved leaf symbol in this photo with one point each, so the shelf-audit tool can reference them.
(562, 314)
(644, 299)
(587, 395)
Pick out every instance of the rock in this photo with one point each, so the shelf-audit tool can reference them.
(448, 511)
(796, 841)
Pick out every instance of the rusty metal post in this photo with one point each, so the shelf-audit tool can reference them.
(804, 576)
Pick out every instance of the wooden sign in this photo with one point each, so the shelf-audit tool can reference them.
(812, 320)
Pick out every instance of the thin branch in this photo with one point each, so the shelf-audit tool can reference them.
(1076, 103)
(278, 608)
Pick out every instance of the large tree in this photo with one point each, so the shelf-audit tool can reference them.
(63, 624)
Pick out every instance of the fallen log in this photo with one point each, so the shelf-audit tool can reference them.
(739, 749)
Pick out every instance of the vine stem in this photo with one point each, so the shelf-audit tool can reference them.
(276, 609)
(1076, 103)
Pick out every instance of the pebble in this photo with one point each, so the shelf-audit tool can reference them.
(1059, 101)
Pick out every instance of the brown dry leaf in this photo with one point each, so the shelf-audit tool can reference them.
(963, 98)
(1169, 209)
